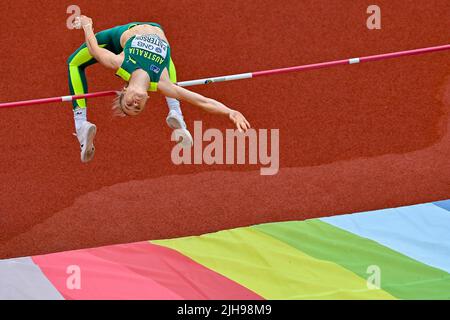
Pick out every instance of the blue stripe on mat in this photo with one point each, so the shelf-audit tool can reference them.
(443, 204)
(420, 232)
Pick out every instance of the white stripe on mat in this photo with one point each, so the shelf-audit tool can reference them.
(22, 279)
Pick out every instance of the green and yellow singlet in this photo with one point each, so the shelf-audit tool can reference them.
(147, 52)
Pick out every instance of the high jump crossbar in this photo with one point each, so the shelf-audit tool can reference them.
(241, 76)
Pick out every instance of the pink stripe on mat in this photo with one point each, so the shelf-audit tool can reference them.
(138, 271)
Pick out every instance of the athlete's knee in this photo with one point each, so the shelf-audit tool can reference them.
(74, 59)
(69, 61)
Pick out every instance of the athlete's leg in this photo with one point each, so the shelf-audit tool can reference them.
(175, 118)
(77, 64)
(81, 59)
(173, 104)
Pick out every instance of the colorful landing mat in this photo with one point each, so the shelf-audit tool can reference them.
(401, 253)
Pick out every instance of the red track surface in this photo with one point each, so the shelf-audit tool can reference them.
(352, 138)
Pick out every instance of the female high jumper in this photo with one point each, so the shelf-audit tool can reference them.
(140, 54)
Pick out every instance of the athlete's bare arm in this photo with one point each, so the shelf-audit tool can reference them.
(103, 56)
(167, 88)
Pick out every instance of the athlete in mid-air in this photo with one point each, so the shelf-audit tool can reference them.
(140, 54)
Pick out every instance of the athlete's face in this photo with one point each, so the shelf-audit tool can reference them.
(133, 101)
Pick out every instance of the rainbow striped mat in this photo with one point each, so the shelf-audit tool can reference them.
(401, 253)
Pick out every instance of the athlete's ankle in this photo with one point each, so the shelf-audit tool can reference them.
(174, 105)
(80, 117)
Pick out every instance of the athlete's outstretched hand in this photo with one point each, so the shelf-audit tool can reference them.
(169, 89)
(82, 22)
(239, 120)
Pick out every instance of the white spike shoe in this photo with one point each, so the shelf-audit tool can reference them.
(86, 136)
(176, 122)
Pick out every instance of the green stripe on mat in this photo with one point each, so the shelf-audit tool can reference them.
(401, 276)
(272, 268)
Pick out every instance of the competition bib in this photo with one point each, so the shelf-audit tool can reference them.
(151, 43)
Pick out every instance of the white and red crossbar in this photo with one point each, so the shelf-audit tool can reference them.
(243, 75)
(57, 99)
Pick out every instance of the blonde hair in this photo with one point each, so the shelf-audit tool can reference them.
(117, 104)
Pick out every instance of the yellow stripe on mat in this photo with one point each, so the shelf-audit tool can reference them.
(272, 268)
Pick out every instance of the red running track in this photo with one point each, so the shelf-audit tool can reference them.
(367, 137)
